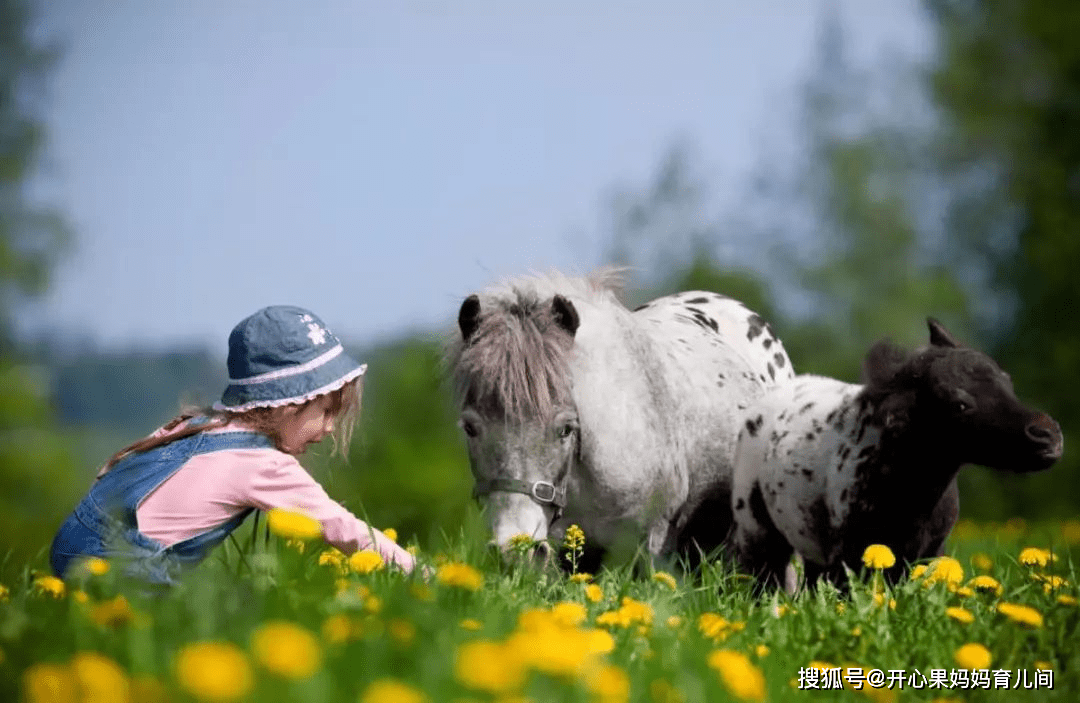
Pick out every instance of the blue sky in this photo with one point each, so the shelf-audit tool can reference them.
(377, 162)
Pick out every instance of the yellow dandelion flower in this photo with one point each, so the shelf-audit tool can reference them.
(293, 525)
(112, 613)
(1052, 582)
(918, 571)
(982, 562)
(665, 578)
(782, 609)
(49, 585)
(972, 656)
(568, 613)
(637, 611)
(49, 683)
(401, 631)
(5, 594)
(391, 533)
(856, 631)
(392, 691)
(366, 561)
(471, 624)
(594, 593)
(493, 667)
(581, 577)
(1022, 614)
(674, 621)
(964, 592)
(520, 542)
(960, 615)
(739, 676)
(945, 570)
(598, 641)
(80, 596)
(1042, 665)
(286, 649)
(99, 678)
(762, 650)
(333, 557)
(609, 684)
(372, 604)
(93, 566)
(1066, 600)
(574, 539)
(460, 576)
(1035, 557)
(986, 584)
(878, 556)
(712, 625)
(338, 629)
(214, 671)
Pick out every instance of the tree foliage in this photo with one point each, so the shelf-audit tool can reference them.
(34, 461)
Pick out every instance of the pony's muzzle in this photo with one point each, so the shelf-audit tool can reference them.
(1045, 433)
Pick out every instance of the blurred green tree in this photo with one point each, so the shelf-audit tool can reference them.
(35, 462)
(1008, 89)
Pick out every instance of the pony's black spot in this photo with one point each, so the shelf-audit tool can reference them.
(779, 484)
(806, 407)
(721, 375)
(740, 504)
(808, 473)
(697, 301)
(843, 496)
(831, 416)
(779, 359)
(767, 342)
(641, 307)
(752, 426)
(704, 320)
(755, 326)
(772, 371)
(757, 505)
(810, 436)
(763, 379)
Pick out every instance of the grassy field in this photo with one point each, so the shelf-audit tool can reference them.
(272, 619)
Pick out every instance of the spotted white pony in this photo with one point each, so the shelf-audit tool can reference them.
(578, 411)
(826, 468)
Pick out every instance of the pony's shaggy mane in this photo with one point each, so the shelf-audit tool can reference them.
(516, 361)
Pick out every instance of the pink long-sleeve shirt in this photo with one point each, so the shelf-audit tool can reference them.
(213, 487)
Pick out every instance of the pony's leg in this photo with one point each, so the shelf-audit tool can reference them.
(759, 547)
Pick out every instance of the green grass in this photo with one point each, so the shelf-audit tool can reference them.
(410, 630)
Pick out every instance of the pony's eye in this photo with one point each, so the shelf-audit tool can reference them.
(566, 430)
(470, 429)
(962, 406)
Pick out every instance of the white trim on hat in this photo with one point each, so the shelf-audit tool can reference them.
(291, 370)
(295, 400)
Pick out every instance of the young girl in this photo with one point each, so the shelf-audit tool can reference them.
(163, 503)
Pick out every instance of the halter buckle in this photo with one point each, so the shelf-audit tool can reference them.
(543, 491)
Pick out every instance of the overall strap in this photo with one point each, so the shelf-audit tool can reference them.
(135, 477)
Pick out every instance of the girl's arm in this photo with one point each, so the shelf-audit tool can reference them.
(283, 483)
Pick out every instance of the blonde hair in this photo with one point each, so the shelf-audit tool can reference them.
(344, 407)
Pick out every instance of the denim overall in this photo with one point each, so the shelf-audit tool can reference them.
(104, 523)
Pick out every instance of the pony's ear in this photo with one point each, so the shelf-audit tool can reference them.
(882, 363)
(939, 336)
(565, 314)
(468, 318)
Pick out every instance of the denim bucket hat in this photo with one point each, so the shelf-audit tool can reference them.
(284, 355)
